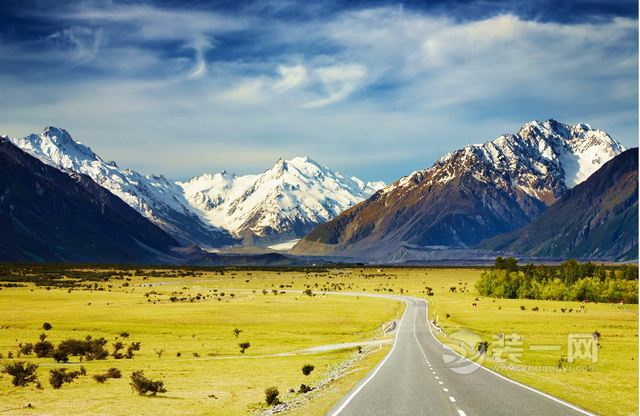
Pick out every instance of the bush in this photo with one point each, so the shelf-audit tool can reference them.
(143, 385)
(59, 376)
(307, 369)
(111, 373)
(271, 396)
(25, 349)
(243, 346)
(304, 389)
(91, 349)
(22, 373)
(46, 326)
(60, 356)
(43, 349)
(100, 378)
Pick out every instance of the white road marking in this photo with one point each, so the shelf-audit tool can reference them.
(445, 389)
(461, 413)
(437, 378)
(453, 399)
(441, 382)
(378, 367)
(524, 386)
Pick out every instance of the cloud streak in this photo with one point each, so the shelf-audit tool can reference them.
(398, 86)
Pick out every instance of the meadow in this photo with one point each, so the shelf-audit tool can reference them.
(185, 324)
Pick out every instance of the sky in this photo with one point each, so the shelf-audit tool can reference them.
(375, 89)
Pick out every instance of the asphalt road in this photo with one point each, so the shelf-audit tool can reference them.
(414, 380)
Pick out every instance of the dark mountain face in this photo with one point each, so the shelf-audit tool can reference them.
(50, 215)
(470, 194)
(597, 219)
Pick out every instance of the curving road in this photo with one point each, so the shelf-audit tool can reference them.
(414, 380)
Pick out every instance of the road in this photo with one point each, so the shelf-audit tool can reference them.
(413, 379)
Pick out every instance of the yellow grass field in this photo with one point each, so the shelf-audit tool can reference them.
(221, 380)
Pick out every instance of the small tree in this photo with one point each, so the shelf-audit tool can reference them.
(307, 369)
(22, 373)
(142, 385)
(271, 396)
(46, 326)
(43, 349)
(243, 346)
(308, 292)
(59, 376)
(237, 332)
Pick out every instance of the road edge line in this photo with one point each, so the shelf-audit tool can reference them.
(373, 373)
(533, 389)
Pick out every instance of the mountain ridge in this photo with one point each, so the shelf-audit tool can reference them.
(591, 221)
(470, 194)
(187, 214)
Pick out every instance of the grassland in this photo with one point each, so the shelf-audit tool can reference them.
(223, 381)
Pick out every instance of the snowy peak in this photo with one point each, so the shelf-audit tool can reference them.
(56, 147)
(155, 197)
(542, 160)
(284, 202)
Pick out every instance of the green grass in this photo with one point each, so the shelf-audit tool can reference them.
(272, 324)
(290, 322)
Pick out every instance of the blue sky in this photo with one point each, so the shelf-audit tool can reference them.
(375, 89)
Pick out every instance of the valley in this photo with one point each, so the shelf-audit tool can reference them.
(185, 321)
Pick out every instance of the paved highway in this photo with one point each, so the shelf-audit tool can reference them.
(414, 380)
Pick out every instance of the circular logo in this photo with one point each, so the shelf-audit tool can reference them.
(463, 351)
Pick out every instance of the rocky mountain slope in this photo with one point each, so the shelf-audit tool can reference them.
(285, 202)
(469, 195)
(598, 219)
(50, 215)
(214, 211)
(155, 197)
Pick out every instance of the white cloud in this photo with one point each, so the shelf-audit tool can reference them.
(291, 77)
(338, 82)
(410, 85)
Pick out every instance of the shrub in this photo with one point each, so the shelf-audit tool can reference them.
(91, 349)
(143, 385)
(43, 349)
(271, 396)
(304, 389)
(307, 369)
(308, 292)
(59, 376)
(25, 349)
(243, 346)
(60, 356)
(237, 332)
(135, 346)
(111, 373)
(46, 326)
(22, 373)
(100, 378)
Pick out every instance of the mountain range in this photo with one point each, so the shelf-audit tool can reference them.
(50, 215)
(214, 210)
(550, 190)
(598, 219)
(469, 195)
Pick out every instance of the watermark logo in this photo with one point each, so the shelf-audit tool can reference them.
(464, 351)
(582, 347)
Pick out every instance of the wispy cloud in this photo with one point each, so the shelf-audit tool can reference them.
(396, 85)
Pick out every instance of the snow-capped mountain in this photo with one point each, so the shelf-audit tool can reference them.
(473, 193)
(155, 197)
(212, 211)
(542, 160)
(286, 201)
